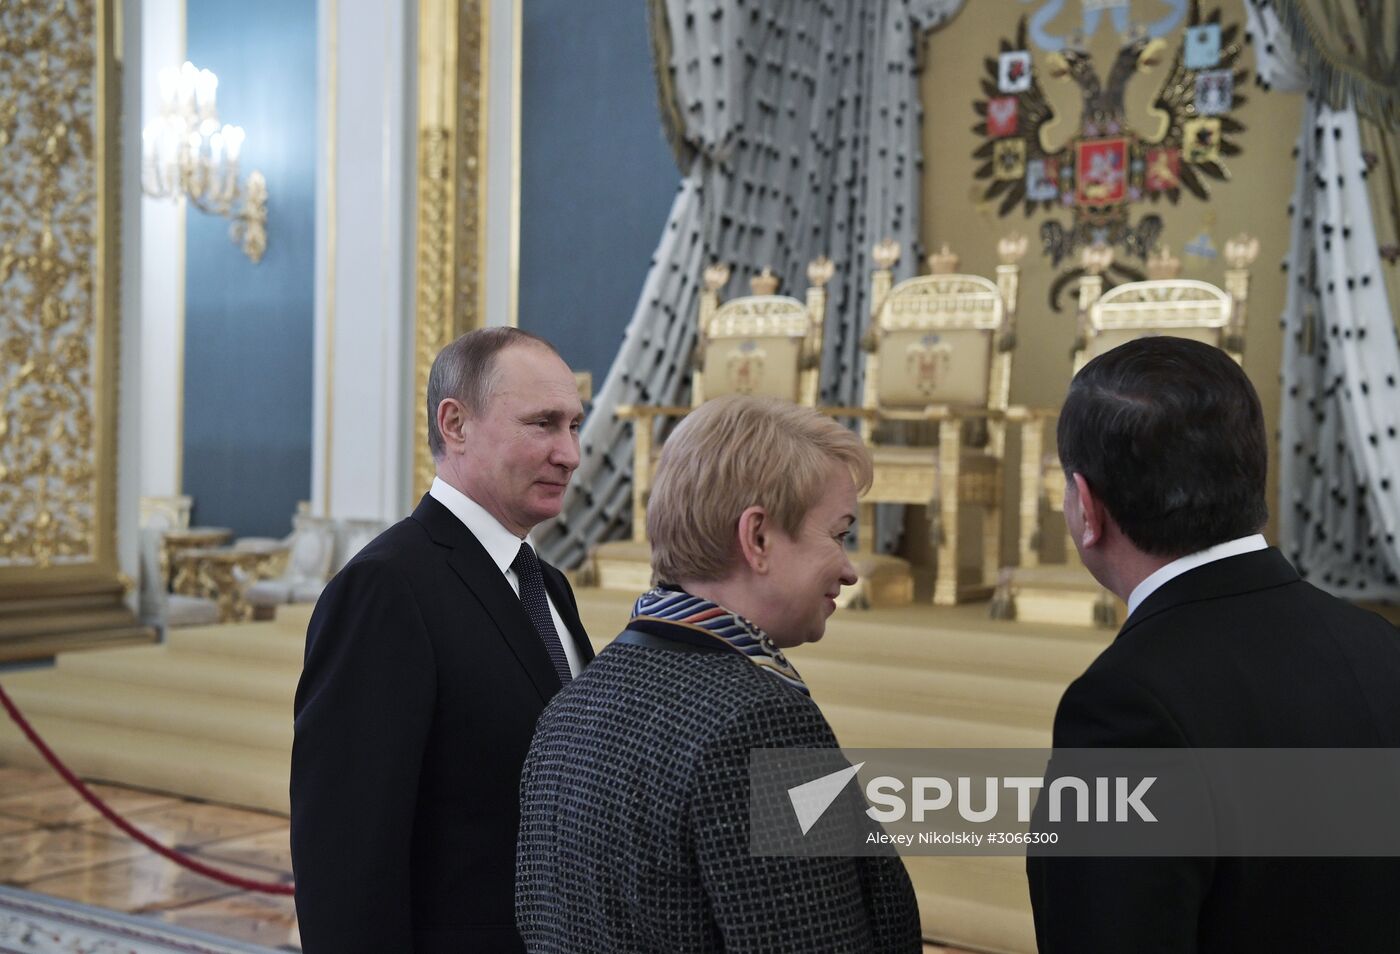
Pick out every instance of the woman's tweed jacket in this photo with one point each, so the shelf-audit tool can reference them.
(634, 828)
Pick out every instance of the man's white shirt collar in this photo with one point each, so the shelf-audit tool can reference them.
(500, 543)
(1172, 570)
(503, 547)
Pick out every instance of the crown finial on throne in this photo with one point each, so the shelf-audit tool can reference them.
(943, 262)
(1096, 259)
(764, 283)
(716, 276)
(1011, 248)
(819, 271)
(1162, 264)
(885, 254)
(1241, 251)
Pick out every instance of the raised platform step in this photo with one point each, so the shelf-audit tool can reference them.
(868, 727)
(976, 925)
(972, 696)
(995, 880)
(263, 642)
(159, 667)
(189, 713)
(198, 768)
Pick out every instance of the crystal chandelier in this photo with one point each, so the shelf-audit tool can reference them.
(186, 153)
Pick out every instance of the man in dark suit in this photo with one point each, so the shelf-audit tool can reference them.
(1163, 446)
(428, 660)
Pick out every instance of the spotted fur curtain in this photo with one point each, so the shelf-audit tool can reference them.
(796, 125)
(1339, 471)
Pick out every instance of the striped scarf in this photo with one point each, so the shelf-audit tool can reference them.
(676, 607)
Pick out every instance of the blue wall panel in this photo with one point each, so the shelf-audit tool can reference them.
(597, 178)
(249, 328)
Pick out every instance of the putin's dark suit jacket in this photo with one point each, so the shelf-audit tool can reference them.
(422, 683)
(1239, 653)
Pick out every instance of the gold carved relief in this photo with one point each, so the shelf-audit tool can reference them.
(1174, 303)
(58, 321)
(962, 301)
(761, 317)
(451, 193)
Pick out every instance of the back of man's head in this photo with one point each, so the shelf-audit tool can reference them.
(1169, 434)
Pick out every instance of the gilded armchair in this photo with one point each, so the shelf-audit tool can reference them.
(1165, 304)
(765, 344)
(935, 407)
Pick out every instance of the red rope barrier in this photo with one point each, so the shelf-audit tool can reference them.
(179, 858)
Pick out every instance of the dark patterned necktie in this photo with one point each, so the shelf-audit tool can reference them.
(532, 597)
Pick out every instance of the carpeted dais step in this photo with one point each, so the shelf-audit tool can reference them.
(1034, 652)
(993, 698)
(260, 642)
(976, 925)
(183, 712)
(162, 667)
(198, 768)
(869, 727)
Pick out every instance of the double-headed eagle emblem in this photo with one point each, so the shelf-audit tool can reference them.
(1108, 166)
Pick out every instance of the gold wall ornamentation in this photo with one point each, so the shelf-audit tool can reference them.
(60, 584)
(469, 169)
(435, 245)
(451, 194)
(58, 321)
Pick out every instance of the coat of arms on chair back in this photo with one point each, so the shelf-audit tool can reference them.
(943, 338)
(764, 344)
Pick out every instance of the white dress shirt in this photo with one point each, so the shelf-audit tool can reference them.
(1172, 570)
(502, 546)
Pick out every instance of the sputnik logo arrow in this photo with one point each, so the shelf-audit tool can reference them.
(810, 800)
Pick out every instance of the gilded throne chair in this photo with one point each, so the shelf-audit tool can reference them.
(935, 410)
(1165, 304)
(763, 344)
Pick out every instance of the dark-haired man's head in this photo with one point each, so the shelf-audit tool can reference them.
(1165, 436)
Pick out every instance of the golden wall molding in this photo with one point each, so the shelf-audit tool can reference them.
(449, 292)
(59, 329)
(58, 291)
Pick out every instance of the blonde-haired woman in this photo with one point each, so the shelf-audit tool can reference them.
(634, 830)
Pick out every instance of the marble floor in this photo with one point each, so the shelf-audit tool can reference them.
(54, 843)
